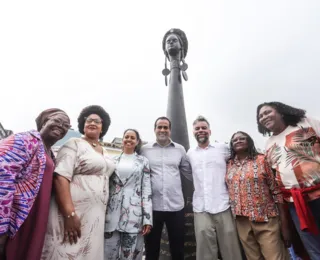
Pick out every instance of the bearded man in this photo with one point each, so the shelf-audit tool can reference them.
(213, 220)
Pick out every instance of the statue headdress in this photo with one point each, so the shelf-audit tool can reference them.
(184, 50)
(182, 38)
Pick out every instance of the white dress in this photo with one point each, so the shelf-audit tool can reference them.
(88, 173)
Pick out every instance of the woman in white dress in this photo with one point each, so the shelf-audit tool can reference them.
(77, 213)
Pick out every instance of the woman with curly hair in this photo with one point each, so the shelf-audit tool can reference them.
(81, 185)
(293, 151)
(256, 202)
(26, 172)
(129, 211)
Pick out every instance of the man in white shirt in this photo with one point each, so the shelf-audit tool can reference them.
(213, 219)
(168, 160)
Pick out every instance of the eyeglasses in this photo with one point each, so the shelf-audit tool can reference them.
(61, 123)
(93, 120)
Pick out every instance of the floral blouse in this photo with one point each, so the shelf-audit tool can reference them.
(295, 156)
(252, 188)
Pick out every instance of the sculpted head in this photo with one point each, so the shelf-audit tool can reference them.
(174, 41)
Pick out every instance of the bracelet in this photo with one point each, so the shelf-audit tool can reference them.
(71, 215)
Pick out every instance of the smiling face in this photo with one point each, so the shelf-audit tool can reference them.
(271, 119)
(55, 128)
(239, 143)
(163, 131)
(93, 126)
(130, 141)
(201, 132)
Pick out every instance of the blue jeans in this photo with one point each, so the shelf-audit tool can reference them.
(311, 242)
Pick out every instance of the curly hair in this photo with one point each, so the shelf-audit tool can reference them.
(290, 115)
(98, 110)
(252, 151)
(182, 38)
(139, 145)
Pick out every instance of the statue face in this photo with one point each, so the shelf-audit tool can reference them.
(173, 45)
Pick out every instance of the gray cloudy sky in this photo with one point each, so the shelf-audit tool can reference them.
(70, 54)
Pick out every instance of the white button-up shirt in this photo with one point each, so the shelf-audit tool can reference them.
(209, 167)
(167, 163)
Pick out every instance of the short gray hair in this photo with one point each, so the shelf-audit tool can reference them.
(201, 119)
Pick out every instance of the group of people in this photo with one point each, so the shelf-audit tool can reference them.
(83, 204)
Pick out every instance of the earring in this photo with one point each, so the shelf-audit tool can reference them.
(165, 71)
(183, 66)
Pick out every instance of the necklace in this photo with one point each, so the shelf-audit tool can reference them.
(92, 143)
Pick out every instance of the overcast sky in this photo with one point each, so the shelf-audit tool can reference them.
(70, 54)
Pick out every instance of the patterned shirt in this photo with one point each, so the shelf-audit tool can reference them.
(253, 189)
(22, 165)
(295, 155)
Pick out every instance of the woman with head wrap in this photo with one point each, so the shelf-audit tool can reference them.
(293, 151)
(81, 182)
(26, 171)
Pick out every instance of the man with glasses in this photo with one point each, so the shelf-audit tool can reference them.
(167, 161)
(213, 220)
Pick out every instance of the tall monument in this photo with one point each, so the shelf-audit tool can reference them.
(175, 47)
